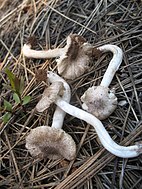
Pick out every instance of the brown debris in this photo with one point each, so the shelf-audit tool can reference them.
(96, 53)
(32, 41)
(41, 75)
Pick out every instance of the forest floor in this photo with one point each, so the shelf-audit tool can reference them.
(50, 22)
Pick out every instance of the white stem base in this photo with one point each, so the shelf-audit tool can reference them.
(30, 53)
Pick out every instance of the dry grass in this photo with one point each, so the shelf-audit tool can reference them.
(100, 22)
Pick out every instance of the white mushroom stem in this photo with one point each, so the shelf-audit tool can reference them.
(106, 140)
(101, 101)
(30, 53)
(51, 53)
(59, 114)
(113, 65)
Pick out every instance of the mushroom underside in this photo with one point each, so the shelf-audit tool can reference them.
(76, 59)
(71, 69)
(52, 143)
(49, 96)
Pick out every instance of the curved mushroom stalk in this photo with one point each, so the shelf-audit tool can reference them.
(73, 60)
(52, 142)
(113, 65)
(107, 142)
(100, 100)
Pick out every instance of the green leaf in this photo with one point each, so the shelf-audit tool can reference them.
(16, 98)
(11, 77)
(21, 87)
(6, 117)
(26, 100)
(7, 105)
(14, 81)
(17, 85)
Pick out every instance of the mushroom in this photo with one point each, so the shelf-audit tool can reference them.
(76, 60)
(73, 59)
(106, 140)
(52, 142)
(59, 87)
(100, 100)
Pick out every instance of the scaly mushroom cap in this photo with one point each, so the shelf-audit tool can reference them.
(49, 96)
(99, 101)
(52, 143)
(76, 59)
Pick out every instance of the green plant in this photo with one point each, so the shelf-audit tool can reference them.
(8, 110)
(17, 87)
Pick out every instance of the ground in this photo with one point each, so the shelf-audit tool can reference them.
(50, 22)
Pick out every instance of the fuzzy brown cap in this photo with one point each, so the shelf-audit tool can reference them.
(99, 101)
(52, 143)
(76, 59)
(49, 96)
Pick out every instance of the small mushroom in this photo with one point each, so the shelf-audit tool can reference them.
(76, 59)
(106, 140)
(73, 59)
(51, 94)
(52, 142)
(100, 100)
(59, 87)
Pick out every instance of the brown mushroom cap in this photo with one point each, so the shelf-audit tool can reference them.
(99, 101)
(52, 143)
(49, 96)
(76, 59)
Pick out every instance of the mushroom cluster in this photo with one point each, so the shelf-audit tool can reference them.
(106, 140)
(99, 101)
